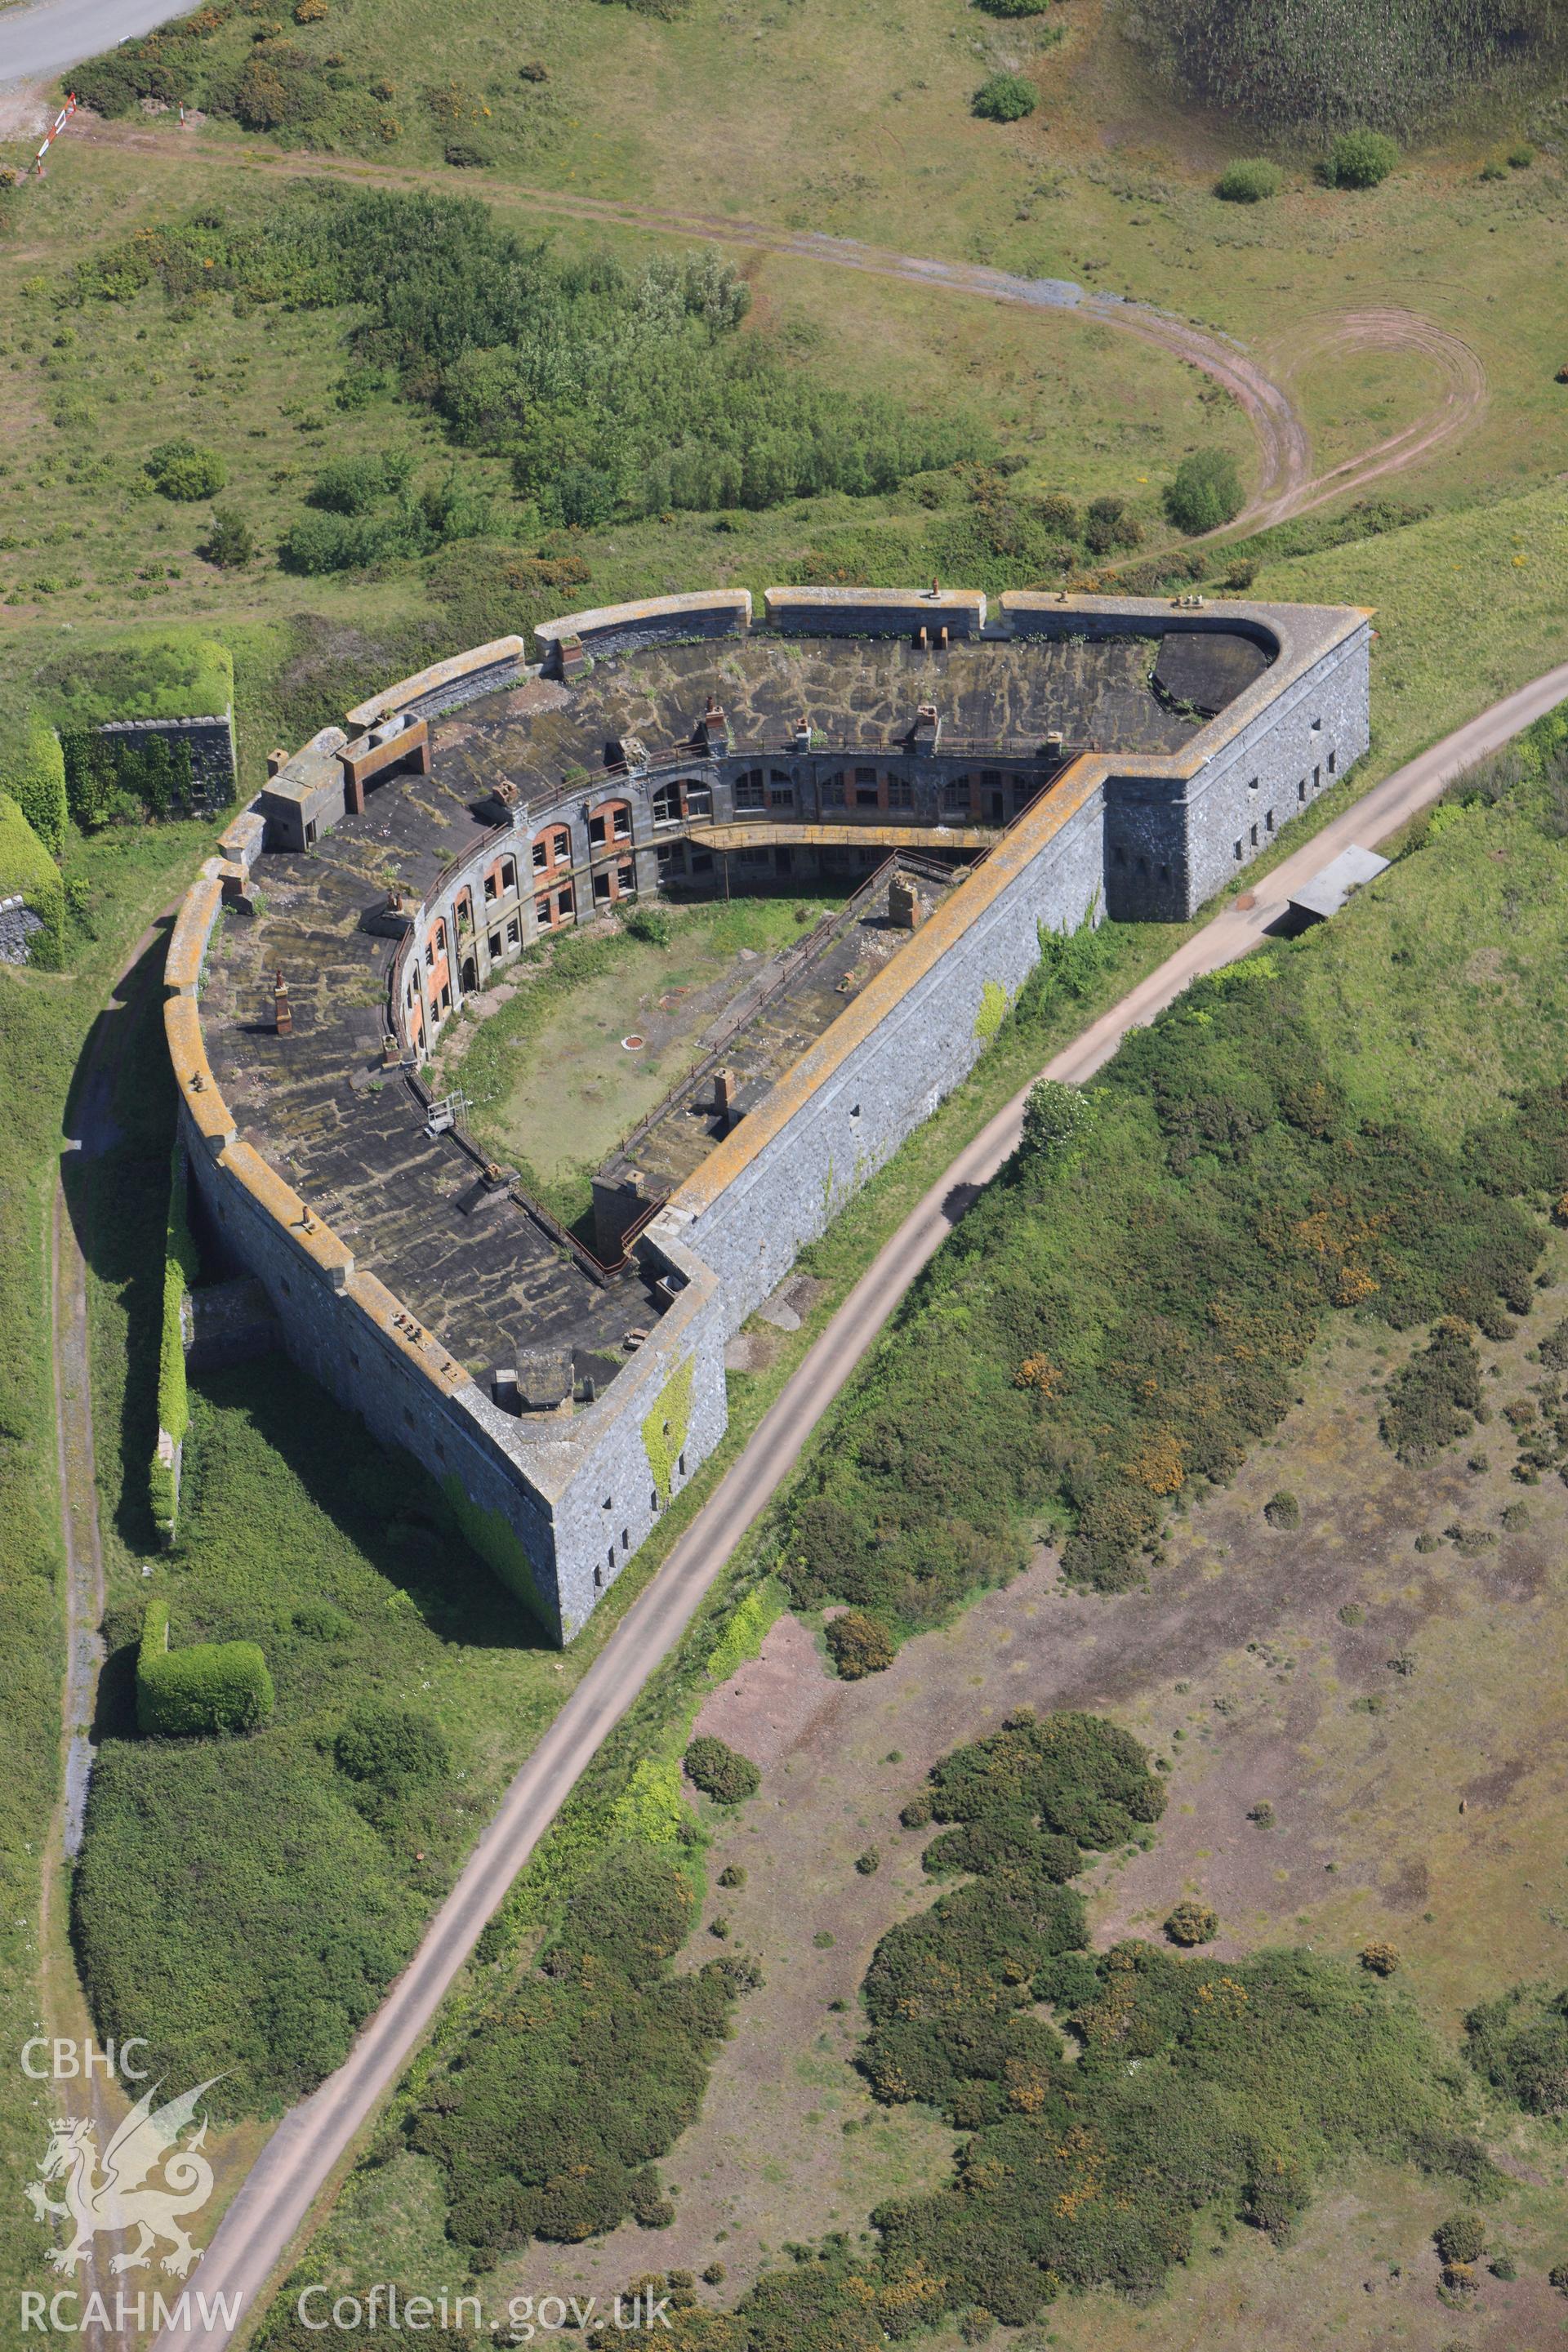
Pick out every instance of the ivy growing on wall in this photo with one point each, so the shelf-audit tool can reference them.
(665, 1431)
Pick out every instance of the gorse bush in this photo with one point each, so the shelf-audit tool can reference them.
(948, 1992)
(545, 2122)
(858, 1645)
(179, 469)
(1519, 2045)
(1432, 1398)
(1124, 1325)
(352, 486)
(719, 1772)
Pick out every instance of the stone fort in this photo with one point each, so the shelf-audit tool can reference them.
(970, 776)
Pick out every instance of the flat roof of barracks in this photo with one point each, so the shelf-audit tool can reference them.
(856, 693)
(352, 1146)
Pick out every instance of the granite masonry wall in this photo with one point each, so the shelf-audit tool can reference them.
(913, 1034)
(209, 740)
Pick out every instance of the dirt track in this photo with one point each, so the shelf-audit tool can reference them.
(1286, 484)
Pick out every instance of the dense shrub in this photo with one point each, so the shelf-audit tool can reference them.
(1328, 64)
(1204, 491)
(1462, 2238)
(1197, 2082)
(1054, 1115)
(611, 389)
(1432, 1398)
(352, 486)
(179, 469)
(1361, 159)
(230, 543)
(1110, 523)
(231, 1908)
(1124, 1324)
(1191, 1923)
(393, 1749)
(33, 771)
(1004, 98)
(1015, 7)
(211, 1686)
(1519, 2045)
(320, 543)
(859, 1644)
(1248, 182)
(545, 2120)
(29, 873)
(1282, 1510)
(717, 1769)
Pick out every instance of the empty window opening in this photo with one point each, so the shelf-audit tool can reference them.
(625, 1539)
(833, 792)
(698, 800)
(1317, 778)
(750, 791)
(1252, 785)
(514, 933)
(681, 1465)
(494, 943)
(667, 804)
(1301, 790)
(1239, 853)
(492, 886)
(1333, 760)
(599, 1579)
(1254, 836)
(1269, 822)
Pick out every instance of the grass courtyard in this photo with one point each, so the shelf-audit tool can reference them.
(544, 1060)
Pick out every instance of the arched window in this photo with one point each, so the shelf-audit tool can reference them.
(552, 848)
(751, 792)
(610, 822)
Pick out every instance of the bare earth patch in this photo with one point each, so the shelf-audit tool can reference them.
(1416, 1760)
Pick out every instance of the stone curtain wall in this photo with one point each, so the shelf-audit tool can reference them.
(209, 740)
(750, 1221)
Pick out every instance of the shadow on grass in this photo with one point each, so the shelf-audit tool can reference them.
(381, 1501)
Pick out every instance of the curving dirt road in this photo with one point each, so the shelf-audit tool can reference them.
(314, 2138)
(1286, 484)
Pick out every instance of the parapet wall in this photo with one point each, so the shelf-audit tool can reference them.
(876, 612)
(484, 669)
(656, 621)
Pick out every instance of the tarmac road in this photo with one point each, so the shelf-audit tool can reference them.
(256, 2233)
(37, 43)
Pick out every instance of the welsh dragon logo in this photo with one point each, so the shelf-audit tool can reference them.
(107, 2200)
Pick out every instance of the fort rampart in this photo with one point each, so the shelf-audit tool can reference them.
(1054, 832)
